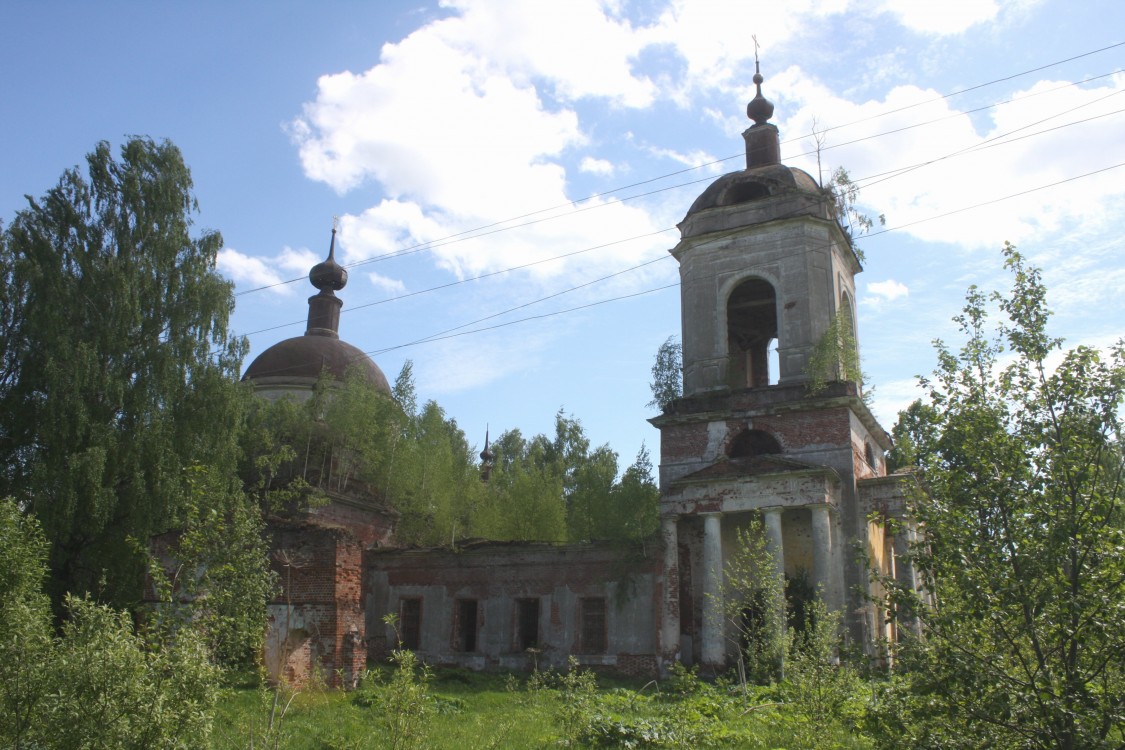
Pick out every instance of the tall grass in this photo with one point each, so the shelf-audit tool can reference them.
(471, 711)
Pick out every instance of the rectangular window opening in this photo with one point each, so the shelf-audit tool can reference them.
(467, 625)
(527, 624)
(410, 624)
(592, 623)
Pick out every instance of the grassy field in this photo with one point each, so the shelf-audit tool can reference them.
(457, 710)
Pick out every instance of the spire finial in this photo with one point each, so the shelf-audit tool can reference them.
(763, 146)
(486, 458)
(329, 276)
(760, 109)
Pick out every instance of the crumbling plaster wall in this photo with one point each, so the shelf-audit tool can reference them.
(495, 576)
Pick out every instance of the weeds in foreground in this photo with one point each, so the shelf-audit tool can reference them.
(402, 704)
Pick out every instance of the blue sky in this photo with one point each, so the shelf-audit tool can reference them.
(435, 127)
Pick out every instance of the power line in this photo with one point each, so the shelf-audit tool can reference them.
(455, 332)
(461, 236)
(996, 200)
(976, 87)
(950, 116)
(442, 336)
(997, 139)
(524, 320)
(475, 278)
(434, 337)
(864, 181)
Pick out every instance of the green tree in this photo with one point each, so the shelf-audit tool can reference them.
(526, 492)
(101, 682)
(911, 436)
(633, 510)
(835, 356)
(754, 606)
(1024, 532)
(845, 195)
(25, 627)
(436, 481)
(667, 374)
(117, 369)
(215, 575)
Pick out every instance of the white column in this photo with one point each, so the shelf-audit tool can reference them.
(713, 648)
(772, 517)
(822, 554)
(904, 569)
(670, 624)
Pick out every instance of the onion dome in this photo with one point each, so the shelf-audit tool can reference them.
(763, 145)
(329, 276)
(487, 458)
(765, 177)
(297, 363)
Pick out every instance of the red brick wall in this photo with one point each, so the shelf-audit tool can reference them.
(320, 570)
(797, 430)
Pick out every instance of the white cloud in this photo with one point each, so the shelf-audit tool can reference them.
(271, 272)
(947, 17)
(892, 397)
(392, 286)
(714, 36)
(947, 165)
(693, 158)
(886, 291)
(526, 40)
(601, 167)
(475, 118)
(453, 125)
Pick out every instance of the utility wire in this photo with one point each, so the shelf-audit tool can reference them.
(552, 314)
(974, 88)
(447, 334)
(455, 332)
(474, 278)
(995, 200)
(997, 139)
(434, 337)
(460, 236)
(862, 181)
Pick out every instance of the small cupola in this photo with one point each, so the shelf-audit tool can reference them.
(763, 144)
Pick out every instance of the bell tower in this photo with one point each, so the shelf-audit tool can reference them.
(763, 263)
(765, 267)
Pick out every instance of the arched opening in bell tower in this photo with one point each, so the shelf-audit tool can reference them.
(751, 443)
(751, 327)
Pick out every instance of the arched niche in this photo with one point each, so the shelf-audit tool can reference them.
(751, 443)
(847, 316)
(751, 326)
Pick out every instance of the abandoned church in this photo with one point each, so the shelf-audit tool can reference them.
(763, 262)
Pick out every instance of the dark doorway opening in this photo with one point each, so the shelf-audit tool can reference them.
(467, 625)
(527, 624)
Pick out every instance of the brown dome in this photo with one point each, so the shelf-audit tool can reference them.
(754, 184)
(300, 361)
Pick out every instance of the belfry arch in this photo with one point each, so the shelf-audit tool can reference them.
(751, 443)
(751, 316)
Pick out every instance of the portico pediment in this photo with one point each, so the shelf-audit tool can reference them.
(733, 485)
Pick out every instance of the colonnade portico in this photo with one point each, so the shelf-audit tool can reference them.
(825, 574)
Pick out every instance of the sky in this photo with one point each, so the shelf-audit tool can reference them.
(508, 174)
